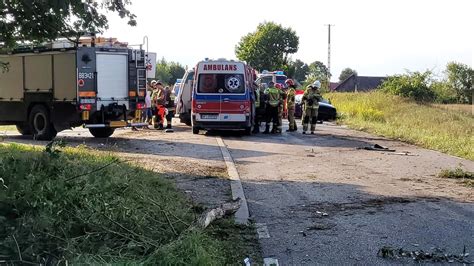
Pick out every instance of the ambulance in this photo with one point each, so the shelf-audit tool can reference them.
(223, 96)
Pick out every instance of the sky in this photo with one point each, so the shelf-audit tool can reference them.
(376, 38)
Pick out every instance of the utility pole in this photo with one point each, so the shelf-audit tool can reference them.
(329, 52)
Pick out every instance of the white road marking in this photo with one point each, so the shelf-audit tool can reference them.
(262, 230)
(270, 262)
(242, 214)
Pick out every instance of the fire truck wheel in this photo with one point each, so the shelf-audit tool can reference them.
(195, 130)
(40, 123)
(248, 131)
(103, 132)
(24, 129)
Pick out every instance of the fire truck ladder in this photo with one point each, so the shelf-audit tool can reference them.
(140, 65)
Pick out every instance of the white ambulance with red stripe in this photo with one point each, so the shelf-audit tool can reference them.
(223, 96)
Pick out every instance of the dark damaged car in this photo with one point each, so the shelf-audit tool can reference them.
(326, 112)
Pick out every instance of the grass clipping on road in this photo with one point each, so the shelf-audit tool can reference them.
(395, 117)
(458, 173)
(56, 209)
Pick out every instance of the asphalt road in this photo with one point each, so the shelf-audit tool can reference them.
(322, 200)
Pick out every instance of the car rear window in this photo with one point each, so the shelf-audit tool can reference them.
(221, 83)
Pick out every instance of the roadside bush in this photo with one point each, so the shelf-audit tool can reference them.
(443, 92)
(414, 85)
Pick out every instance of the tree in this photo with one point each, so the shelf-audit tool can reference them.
(347, 72)
(460, 78)
(268, 47)
(317, 71)
(168, 72)
(34, 21)
(301, 70)
(176, 70)
(163, 71)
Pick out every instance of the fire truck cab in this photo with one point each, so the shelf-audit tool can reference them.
(223, 96)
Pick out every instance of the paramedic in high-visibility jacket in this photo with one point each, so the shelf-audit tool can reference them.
(273, 100)
(311, 98)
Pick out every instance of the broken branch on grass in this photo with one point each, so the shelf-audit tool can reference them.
(224, 209)
(163, 210)
(17, 248)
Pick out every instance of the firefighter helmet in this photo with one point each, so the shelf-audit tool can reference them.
(317, 84)
(289, 82)
(278, 86)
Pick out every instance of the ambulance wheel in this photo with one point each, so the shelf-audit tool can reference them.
(195, 130)
(103, 132)
(24, 129)
(40, 123)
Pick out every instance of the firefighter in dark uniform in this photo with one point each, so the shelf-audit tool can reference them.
(169, 105)
(290, 104)
(259, 107)
(158, 97)
(311, 98)
(281, 106)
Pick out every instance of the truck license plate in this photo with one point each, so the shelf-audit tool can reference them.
(209, 116)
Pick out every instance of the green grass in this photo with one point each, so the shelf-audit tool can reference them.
(458, 173)
(399, 118)
(70, 205)
(464, 108)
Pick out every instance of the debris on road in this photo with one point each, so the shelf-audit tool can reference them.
(322, 213)
(376, 147)
(436, 255)
(321, 226)
(224, 209)
(405, 153)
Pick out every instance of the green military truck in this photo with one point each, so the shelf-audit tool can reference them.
(47, 90)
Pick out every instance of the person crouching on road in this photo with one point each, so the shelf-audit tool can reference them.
(290, 104)
(273, 101)
(169, 105)
(311, 98)
(259, 107)
(158, 98)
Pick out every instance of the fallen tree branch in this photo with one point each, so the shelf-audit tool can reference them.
(213, 214)
(93, 171)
